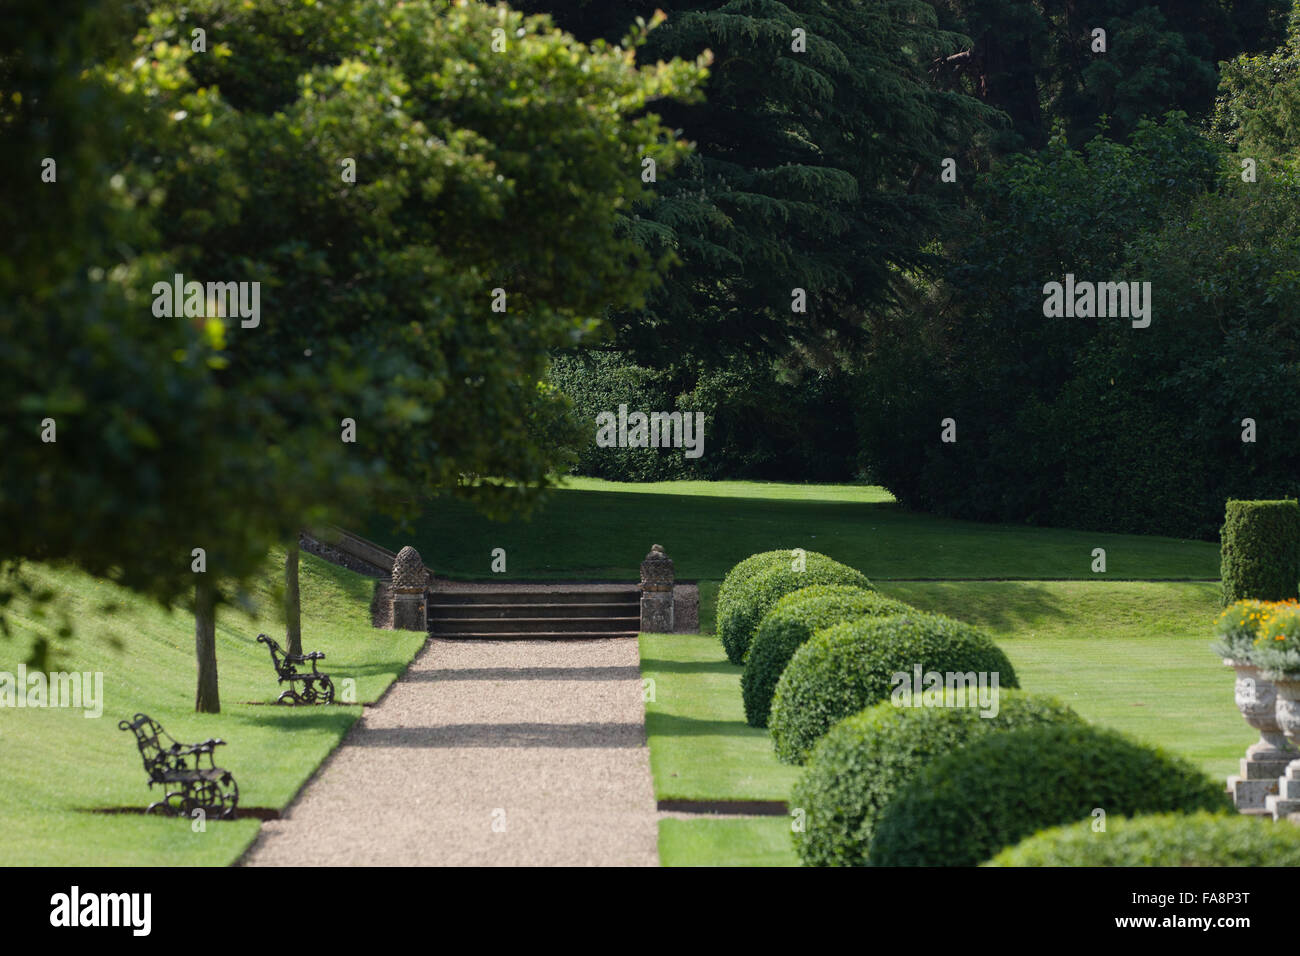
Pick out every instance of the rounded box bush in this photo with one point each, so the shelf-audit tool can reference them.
(856, 769)
(755, 563)
(752, 596)
(790, 623)
(1260, 551)
(848, 667)
(962, 809)
(1165, 839)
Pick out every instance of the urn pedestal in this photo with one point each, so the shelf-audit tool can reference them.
(1267, 759)
(1287, 799)
(407, 587)
(657, 592)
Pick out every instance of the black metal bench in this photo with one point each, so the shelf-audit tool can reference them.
(317, 688)
(178, 767)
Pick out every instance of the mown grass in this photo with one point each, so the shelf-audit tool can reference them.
(713, 841)
(55, 764)
(602, 530)
(700, 746)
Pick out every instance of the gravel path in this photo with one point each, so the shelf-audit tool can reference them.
(520, 753)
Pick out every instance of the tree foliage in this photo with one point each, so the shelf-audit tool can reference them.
(223, 161)
(1035, 60)
(1089, 422)
(812, 170)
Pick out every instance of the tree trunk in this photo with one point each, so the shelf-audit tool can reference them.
(292, 602)
(206, 699)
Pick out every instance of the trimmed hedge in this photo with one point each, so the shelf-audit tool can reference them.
(850, 666)
(1167, 839)
(751, 596)
(965, 807)
(790, 623)
(1260, 551)
(856, 769)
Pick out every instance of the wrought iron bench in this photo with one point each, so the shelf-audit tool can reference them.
(178, 767)
(317, 688)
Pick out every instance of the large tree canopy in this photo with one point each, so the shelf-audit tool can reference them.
(819, 147)
(122, 452)
(225, 155)
(491, 152)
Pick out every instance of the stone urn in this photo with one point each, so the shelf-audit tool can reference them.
(1287, 708)
(1267, 759)
(1256, 698)
(1287, 799)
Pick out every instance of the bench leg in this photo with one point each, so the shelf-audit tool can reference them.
(169, 805)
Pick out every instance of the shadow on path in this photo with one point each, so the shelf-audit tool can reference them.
(504, 735)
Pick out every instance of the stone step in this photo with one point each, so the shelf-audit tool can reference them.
(536, 635)
(446, 612)
(479, 625)
(614, 595)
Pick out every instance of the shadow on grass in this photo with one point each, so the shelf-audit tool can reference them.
(689, 667)
(1003, 606)
(658, 723)
(280, 717)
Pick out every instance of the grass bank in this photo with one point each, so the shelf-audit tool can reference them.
(57, 764)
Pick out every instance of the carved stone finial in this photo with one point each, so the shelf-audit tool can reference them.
(408, 572)
(657, 570)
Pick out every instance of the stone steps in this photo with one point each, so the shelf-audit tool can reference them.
(534, 614)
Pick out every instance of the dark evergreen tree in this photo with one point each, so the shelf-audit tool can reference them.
(1034, 60)
(819, 147)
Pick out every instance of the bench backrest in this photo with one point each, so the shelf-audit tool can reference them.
(156, 746)
(279, 660)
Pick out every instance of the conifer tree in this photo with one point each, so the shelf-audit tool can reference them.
(818, 154)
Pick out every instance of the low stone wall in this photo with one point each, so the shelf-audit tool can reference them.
(381, 607)
(343, 559)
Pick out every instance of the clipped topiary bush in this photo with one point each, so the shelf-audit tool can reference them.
(965, 807)
(1166, 839)
(790, 623)
(863, 760)
(1260, 551)
(851, 666)
(752, 596)
(754, 564)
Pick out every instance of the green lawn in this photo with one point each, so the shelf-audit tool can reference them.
(700, 746)
(1133, 656)
(602, 530)
(56, 763)
(745, 841)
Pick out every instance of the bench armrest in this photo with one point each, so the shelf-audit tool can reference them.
(206, 747)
